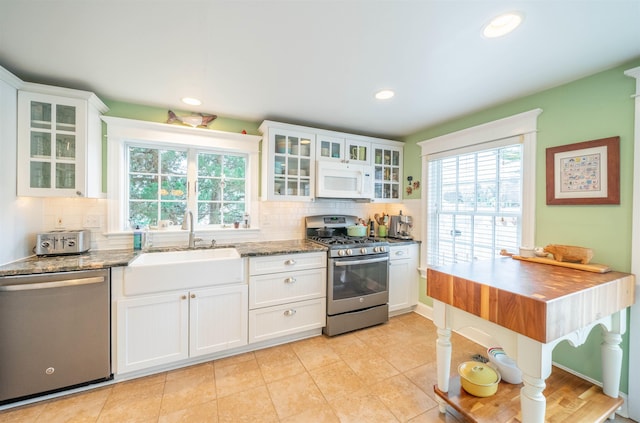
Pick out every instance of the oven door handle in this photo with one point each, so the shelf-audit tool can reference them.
(365, 261)
(53, 284)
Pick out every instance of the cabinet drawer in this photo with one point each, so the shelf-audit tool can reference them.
(286, 263)
(279, 288)
(400, 252)
(286, 319)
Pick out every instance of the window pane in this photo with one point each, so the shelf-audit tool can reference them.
(174, 211)
(235, 166)
(221, 187)
(209, 164)
(474, 205)
(143, 213)
(144, 160)
(234, 190)
(143, 187)
(173, 188)
(209, 190)
(209, 213)
(174, 162)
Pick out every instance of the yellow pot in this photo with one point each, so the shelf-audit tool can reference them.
(478, 379)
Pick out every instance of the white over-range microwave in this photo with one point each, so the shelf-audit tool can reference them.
(343, 180)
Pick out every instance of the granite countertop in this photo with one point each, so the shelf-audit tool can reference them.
(102, 259)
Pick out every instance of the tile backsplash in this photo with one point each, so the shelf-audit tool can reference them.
(276, 220)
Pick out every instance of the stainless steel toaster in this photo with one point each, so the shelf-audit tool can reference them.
(60, 242)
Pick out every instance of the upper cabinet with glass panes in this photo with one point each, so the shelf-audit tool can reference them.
(288, 164)
(387, 171)
(59, 142)
(343, 150)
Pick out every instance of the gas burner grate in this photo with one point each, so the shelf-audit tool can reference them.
(345, 240)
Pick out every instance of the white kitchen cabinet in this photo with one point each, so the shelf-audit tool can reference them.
(288, 164)
(403, 277)
(343, 150)
(217, 319)
(387, 169)
(59, 142)
(287, 295)
(289, 155)
(161, 329)
(152, 330)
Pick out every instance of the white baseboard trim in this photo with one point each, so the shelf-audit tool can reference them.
(485, 340)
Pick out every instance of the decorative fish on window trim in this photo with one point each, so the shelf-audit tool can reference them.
(199, 120)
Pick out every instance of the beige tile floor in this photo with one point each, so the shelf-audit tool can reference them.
(380, 374)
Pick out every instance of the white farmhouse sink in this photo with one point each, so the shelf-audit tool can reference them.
(184, 256)
(184, 269)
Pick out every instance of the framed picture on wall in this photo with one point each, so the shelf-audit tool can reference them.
(584, 173)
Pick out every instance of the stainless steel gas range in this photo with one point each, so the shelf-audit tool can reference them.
(357, 274)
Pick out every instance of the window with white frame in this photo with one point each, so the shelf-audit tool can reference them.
(474, 204)
(157, 171)
(480, 190)
(159, 181)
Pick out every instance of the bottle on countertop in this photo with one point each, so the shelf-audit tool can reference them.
(137, 238)
(372, 231)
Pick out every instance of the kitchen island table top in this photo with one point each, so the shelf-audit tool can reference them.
(540, 301)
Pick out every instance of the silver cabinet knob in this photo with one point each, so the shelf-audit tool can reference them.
(289, 312)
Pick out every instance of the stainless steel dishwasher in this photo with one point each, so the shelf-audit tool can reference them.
(54, 332)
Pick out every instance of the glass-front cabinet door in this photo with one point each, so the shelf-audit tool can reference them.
(342, 150)
(358, 152)
(291, 165)
(387, 163)
(51, 145)
(329, 148)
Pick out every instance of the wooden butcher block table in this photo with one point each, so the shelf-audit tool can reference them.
(528, 308)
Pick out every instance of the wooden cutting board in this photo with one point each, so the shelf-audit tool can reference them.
(591, 267)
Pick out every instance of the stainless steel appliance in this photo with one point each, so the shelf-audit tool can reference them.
(400, 226)
(357, 274)
(63, 242)
(54, 332)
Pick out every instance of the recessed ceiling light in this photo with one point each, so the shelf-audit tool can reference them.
(384, 94)
(191, 101)
(502, 25)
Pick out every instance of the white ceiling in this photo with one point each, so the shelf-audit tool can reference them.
(315, 62)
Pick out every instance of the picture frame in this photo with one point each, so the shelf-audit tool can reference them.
(584, 173)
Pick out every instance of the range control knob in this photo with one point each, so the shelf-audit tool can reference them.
(363, 250)
(378, 249)
(349, 252)
(341, 253)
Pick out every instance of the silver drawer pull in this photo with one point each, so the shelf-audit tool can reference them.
(290, 280)
(290, 262)
(289, 312)
(400, 253)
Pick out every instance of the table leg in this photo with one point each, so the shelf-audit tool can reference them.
(443, 358)
(532, 400)
(612, 355)
(534, 359)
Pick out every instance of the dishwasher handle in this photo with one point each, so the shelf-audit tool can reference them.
(53, 284)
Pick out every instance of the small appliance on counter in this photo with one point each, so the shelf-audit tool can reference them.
(62, 242)
(400, 226)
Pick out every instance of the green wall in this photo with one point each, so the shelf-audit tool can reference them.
(594, 107)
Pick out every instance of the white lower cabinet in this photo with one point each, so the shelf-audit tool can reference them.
(287, 295)
(164, 328)
(403, 277)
